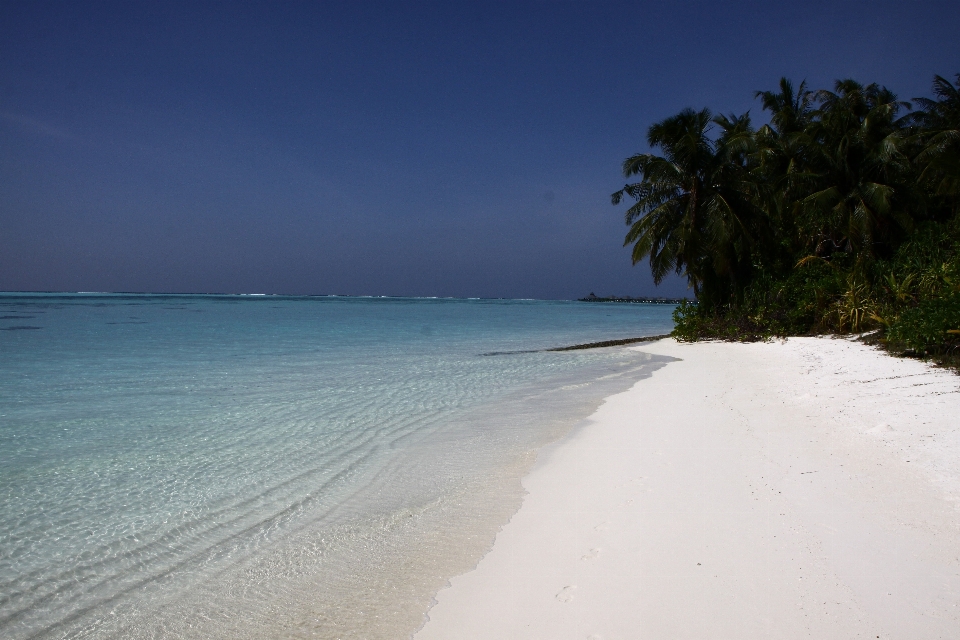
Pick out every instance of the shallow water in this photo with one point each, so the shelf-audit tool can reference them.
(238, 466)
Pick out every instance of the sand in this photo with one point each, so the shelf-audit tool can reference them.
(798, 489)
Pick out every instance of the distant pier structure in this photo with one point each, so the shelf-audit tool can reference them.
(658, 300)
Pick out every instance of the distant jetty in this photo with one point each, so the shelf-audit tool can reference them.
(658, 300)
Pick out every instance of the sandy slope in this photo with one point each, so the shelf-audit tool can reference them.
(781, 490)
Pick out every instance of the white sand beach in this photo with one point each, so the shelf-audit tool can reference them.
(799, 489)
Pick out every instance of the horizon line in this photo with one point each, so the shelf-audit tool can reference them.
(306, 295)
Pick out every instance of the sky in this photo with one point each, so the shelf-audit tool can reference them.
(424, 149)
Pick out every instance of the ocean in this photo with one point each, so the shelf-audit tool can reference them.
(220, 466)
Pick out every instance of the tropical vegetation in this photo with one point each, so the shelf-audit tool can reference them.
(841, 214)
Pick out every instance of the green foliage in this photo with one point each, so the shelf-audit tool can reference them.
(691, 324)
(930, 328)
(840, 216)
(923, 306)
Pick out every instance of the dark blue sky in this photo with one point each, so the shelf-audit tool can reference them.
(446, 149)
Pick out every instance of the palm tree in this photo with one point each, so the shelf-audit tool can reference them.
(739, 226)
(791, 111)
(781, 169)
(688, 212)
(939, 121)
(854, 154)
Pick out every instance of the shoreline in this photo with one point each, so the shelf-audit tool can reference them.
(808, 486)
(586, 345)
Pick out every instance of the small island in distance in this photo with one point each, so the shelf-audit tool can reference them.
(648, 300)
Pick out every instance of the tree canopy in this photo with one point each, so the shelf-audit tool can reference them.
(841, 214)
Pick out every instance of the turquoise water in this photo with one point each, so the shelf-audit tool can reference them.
(241, 466)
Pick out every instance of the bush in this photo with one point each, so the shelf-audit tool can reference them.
(693, 323)
(925, 329)
(796, 304)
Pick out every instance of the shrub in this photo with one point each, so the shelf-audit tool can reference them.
(930, 328)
